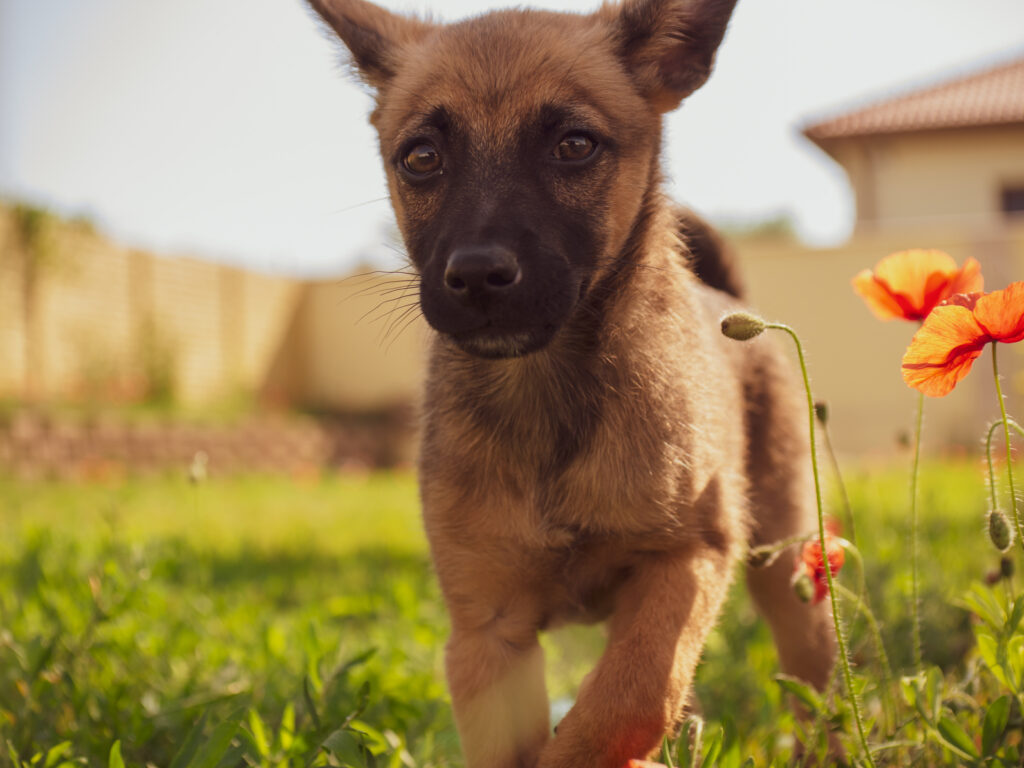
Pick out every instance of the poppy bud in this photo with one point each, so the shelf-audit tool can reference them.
(1006, 567)
(742, 326)
(821, 411)
(999, 530)
(803, 586)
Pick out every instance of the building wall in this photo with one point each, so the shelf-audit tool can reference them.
(358, 344)
(104, 319)
(908, 180)
(855, 358)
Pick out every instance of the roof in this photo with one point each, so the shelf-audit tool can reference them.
(994, 96)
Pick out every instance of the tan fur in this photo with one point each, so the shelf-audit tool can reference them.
(620, 471)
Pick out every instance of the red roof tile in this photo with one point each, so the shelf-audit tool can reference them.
(994, 96)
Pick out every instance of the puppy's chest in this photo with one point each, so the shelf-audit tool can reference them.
(574, 468)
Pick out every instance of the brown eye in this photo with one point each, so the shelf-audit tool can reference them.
(422, 159)
(575, 146)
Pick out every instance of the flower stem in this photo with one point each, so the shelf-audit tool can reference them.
(915, 597)
(991, 468)
(851, 530)
(888, 704)
(1009, 453)
(840, 641)
(988, 454)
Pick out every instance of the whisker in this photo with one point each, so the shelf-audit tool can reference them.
(382, 311)
(372, 276)
(387, 332)
(383, 275)
(384, 288)
(360, 205)
(403, 329)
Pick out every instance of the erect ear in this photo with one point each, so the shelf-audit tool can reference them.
(669, 45)
(372, 34)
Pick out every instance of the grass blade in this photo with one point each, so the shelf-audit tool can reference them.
(115, 760)
(191, 744)
(996, 718)
(214, 748)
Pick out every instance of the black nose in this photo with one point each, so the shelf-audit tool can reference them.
(481, 271)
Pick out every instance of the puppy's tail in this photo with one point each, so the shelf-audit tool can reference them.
(710, 258)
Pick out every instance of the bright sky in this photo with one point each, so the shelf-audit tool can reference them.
(226, 129)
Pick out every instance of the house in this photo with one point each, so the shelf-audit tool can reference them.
(935, 167)
(951, 152)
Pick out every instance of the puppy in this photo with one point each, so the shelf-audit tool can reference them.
(592, 447)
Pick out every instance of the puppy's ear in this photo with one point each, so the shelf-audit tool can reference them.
(372, 34)
(669, 45)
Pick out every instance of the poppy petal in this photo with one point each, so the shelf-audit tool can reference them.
(877, 296)
(1001, 313)
(968, 279)
(943, 350)
(919, 279)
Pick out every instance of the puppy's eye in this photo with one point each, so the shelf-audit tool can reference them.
(575, 146)
(422, 160)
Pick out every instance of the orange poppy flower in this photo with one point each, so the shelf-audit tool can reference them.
(907, 285)
(813, 563)
(955, 333)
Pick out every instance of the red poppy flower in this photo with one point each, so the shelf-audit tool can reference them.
(644, 764)
(955, 333)
(813, 563)
(907, 285)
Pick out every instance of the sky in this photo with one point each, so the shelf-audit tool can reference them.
(229, 129)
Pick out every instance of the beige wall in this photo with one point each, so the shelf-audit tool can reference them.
(855, 358)
(908, 180)
(102, 310)
(346, 344)
(358, 343)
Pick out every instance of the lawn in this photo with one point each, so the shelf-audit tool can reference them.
(294, 621)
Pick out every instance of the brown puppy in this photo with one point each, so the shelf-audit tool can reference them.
(592, 446)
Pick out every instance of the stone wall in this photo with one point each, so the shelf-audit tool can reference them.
(38, 446)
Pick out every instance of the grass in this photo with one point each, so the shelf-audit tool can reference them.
(295, 621)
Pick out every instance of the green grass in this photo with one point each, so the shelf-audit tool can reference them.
(280, 609)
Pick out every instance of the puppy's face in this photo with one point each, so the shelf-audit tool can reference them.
(515, 166)
(519, 147)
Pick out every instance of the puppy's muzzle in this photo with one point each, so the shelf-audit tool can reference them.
(480, 274)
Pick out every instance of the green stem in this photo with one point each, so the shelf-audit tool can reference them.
(914, 592)
(991, 467)
(988, 454)
(819, 719)
(847, 507)
(775, 548)
(883, 658)
(1009, 453)
(840, 641)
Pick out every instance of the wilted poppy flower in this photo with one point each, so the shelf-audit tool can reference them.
(813, 564)
(955, 333)
(907, 285)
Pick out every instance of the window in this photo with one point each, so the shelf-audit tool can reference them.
(1013, 200)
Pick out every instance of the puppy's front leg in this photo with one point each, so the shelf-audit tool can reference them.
(495, 665)
(637, 691)
(501, 707)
